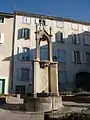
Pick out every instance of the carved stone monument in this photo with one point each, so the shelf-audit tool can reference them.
(45, 76)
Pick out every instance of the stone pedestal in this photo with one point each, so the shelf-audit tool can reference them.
(44, 104)
(45, 77)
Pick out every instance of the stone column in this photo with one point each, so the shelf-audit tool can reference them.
(37, 50)
(50, 47)
(50, 51)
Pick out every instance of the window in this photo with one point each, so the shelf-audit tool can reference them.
(24, 33)
(43, 53)
(88, 57)
(61, 55)
(74, 26)
(87, 39)
(76, 56)
(19, 53)
(75, 39)
(24, 74)
(85, 28)
(60, 37)
(60, 24)
(1, 19)
(26, 20)
(1, 38)
(26, 54)
(62, 76)
(20, 89)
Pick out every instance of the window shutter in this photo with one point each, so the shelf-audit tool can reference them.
(28, 20)
(87, 39)
(24, 19)
(73, 60)
(1, 37)
(77, 39)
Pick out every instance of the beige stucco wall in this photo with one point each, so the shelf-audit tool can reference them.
(6, 51)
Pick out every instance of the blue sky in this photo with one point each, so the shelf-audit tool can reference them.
(76, 9)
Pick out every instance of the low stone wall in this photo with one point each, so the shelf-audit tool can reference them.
(79, 99)
(14, 100)
(42, 103)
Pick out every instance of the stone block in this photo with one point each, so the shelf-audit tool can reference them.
(14, 100)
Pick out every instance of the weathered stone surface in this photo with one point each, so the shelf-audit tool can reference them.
(14, 100)
(42, 103)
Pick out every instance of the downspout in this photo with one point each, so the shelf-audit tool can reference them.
(12, 57)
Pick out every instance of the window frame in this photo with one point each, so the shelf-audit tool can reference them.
(84, 39)
(25, 18)
(61, 39)
(26, 57)
(76, 57)
(87, 61)
(21, 33)
(74, 39)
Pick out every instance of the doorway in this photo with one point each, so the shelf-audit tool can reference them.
(83, 80)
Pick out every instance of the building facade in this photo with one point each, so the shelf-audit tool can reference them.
(71, 40)
(6, 32)
(71, 48)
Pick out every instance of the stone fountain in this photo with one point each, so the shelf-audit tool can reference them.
(45, 76)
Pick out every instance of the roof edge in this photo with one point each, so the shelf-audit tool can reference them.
(6, 14)
(51, 17)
